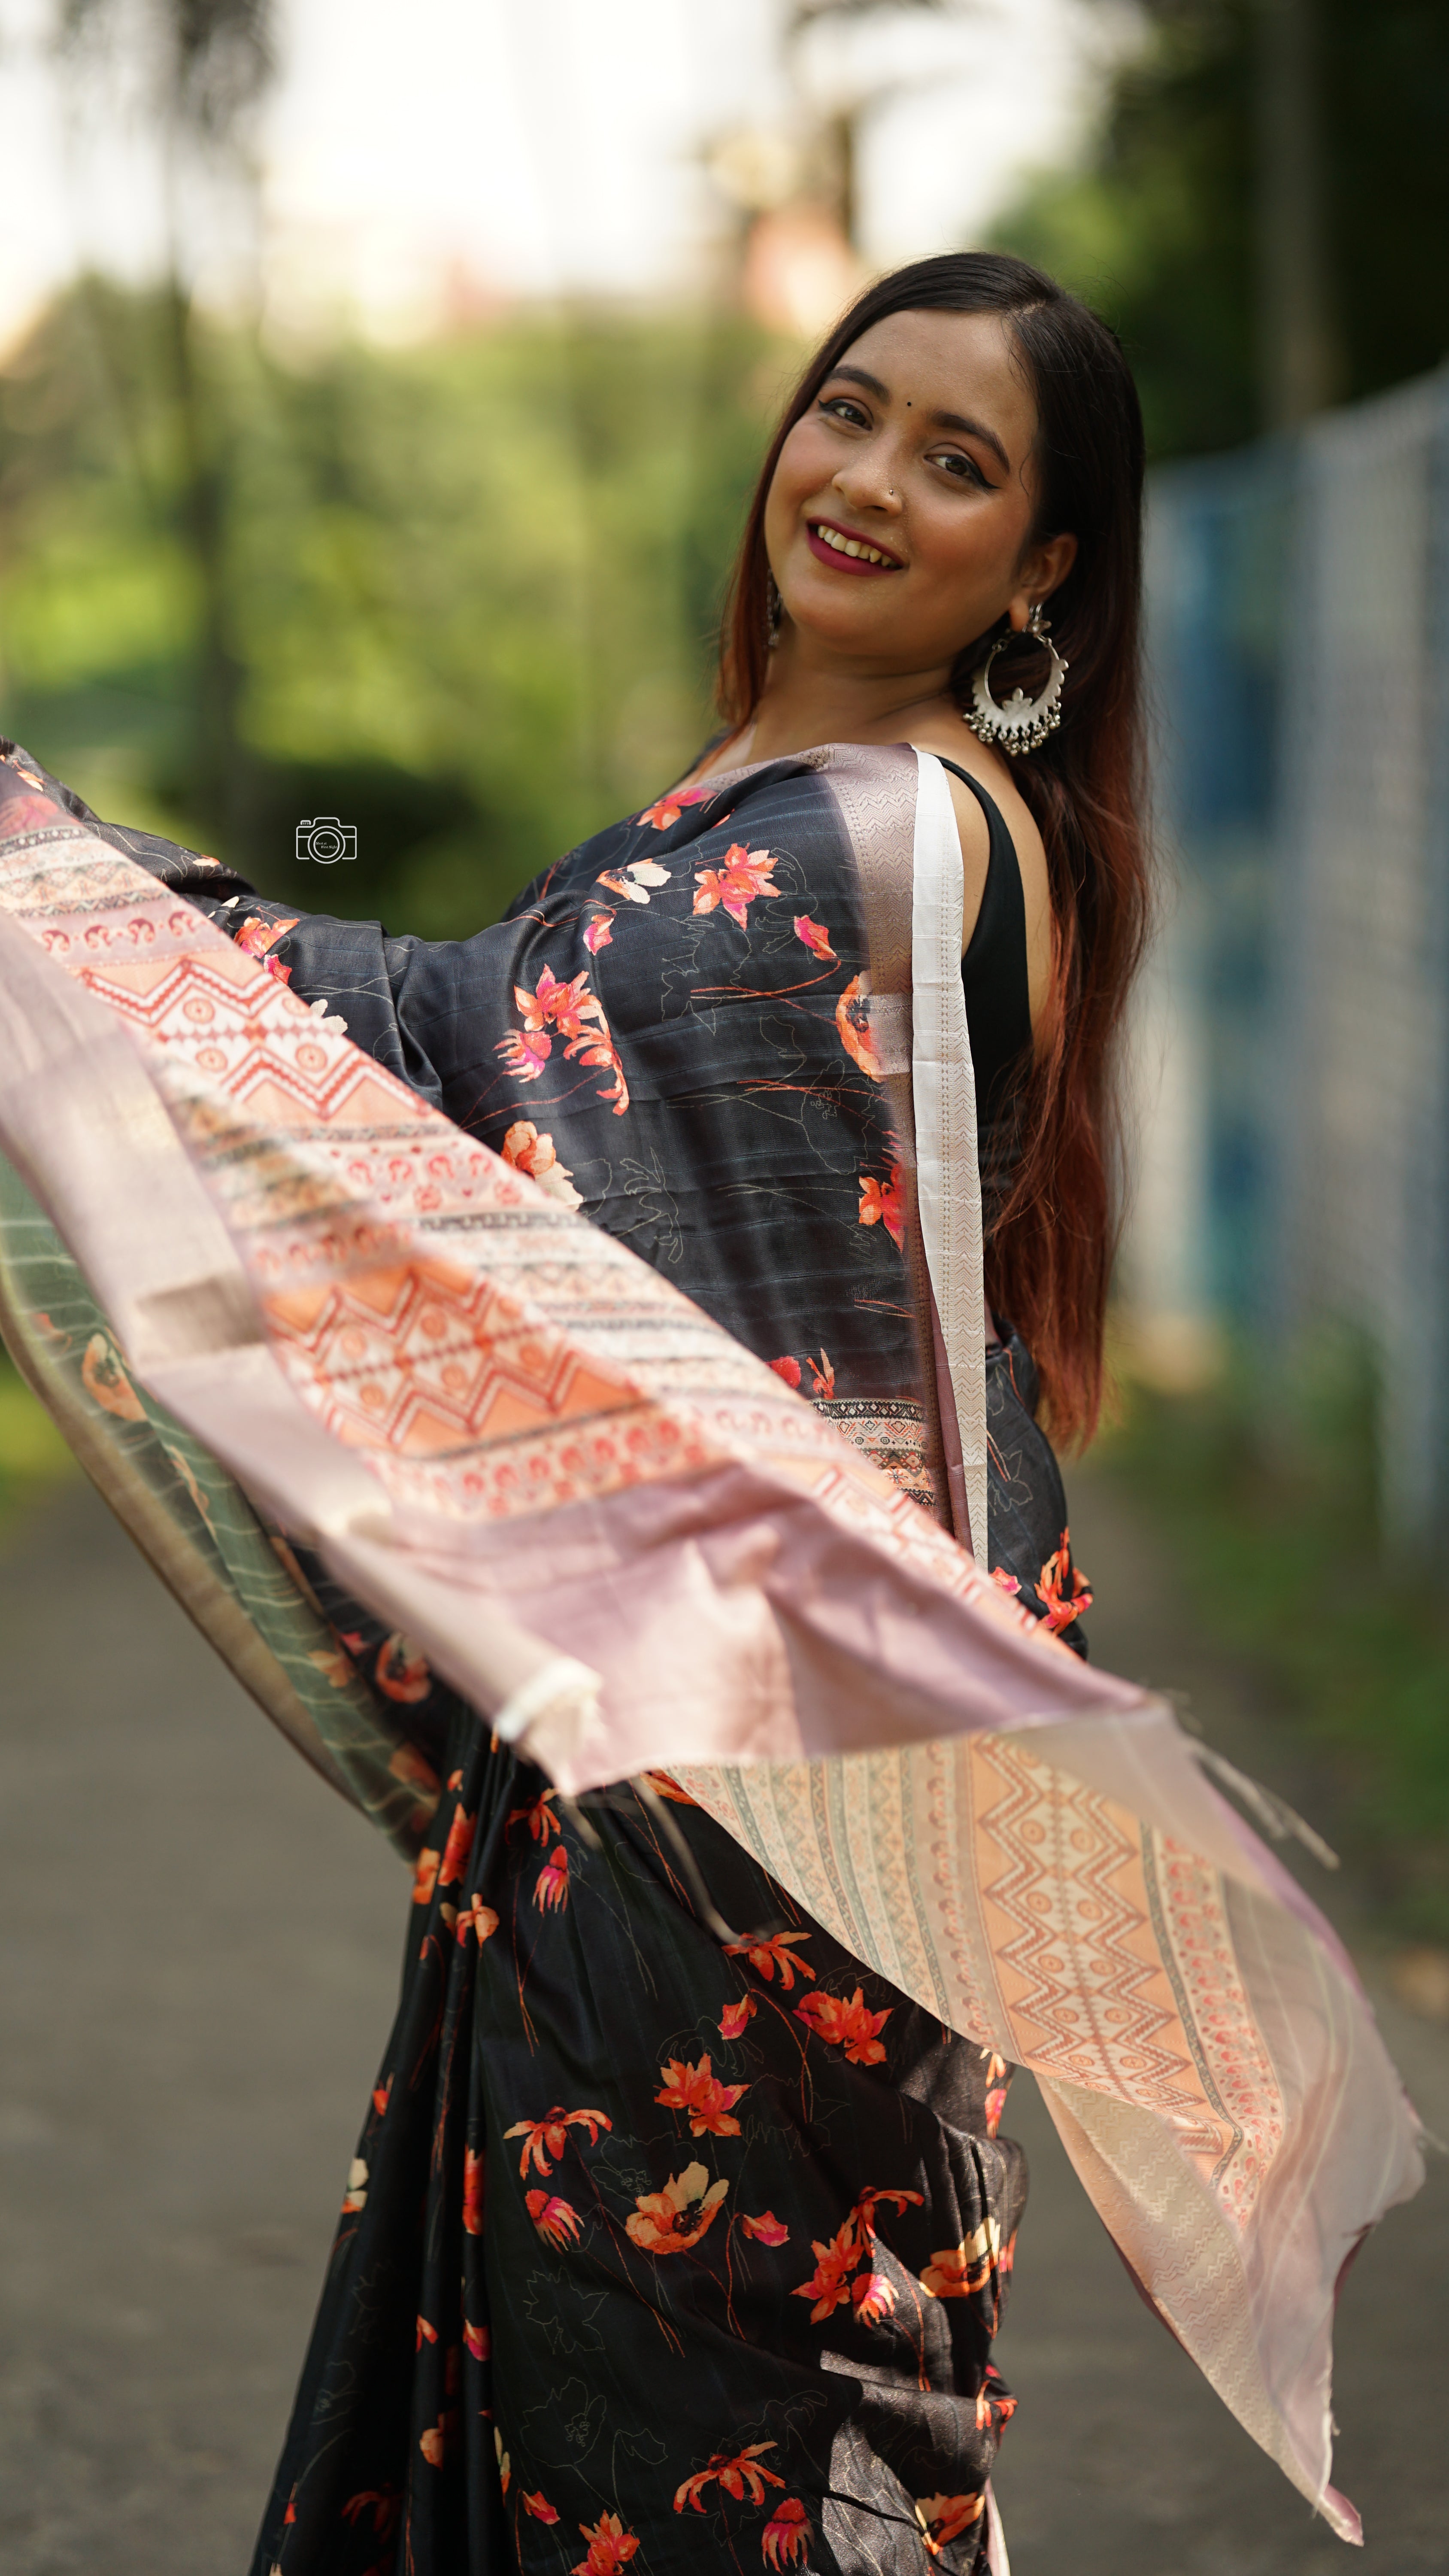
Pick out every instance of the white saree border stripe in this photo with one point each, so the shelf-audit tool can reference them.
(996, 2558)
(948, 1174)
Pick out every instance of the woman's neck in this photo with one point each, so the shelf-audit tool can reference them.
(808, 701)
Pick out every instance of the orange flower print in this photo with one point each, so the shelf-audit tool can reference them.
(816, 938)
(475, 2179)
(426, 2334)
(997, 2080)
(959, 2271)
(382, 2503)
(525, 1055)
(829, 2283)
(995, 2405)
(355, 2196)
(438, 2441)
(401, 1671)
(549, 2136)
(736, 2471)
(670, 807)
(106, 1382)
(381, 2096)
(479, 1918)
(866, 2206)
(478, 2340)
(256, 937)
(1066, 1592)
(872, 2298)
(697, 2090)
(578, 1016)
(852, 2026)
(610, 2547)
(788, 1369)
(425, 1876)
(457, 1848)
(551, 1887)
(744, 876)
(557, 2222)
(852, 1022)
(786, 2535)
(824, 1376)
(538, 1815)
(733, 2019)
(599, 932)
(539, 2506)
(529, 1152)
(663, 1787)
(505, 2465)
(672, 2220)
(634, 879)
(1008, 1582)
(554, 1003)
(778, 1952)
(943, 2518)
(884, 1203)
(767, 2230)
(332, 1664)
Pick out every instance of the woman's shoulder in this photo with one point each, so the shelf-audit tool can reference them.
(953, 741)
(992, 775)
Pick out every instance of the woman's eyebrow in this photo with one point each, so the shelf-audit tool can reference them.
(858, 376)
(975, 429)
(940, 419)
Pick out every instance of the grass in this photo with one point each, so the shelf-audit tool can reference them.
(1268, 1490)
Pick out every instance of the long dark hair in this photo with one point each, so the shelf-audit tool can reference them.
(1050, 1249)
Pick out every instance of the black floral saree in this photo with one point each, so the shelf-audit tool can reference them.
(674, 2235)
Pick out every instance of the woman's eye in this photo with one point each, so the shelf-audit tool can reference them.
(840, 407)
(964, 468)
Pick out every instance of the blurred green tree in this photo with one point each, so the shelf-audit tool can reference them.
(1175, 224)
(470, 588)
(206, 66)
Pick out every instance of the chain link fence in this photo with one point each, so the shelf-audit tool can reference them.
(1292, 1044)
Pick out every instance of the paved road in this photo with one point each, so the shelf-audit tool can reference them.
(199, 1949)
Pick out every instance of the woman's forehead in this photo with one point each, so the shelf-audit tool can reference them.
(963, 363)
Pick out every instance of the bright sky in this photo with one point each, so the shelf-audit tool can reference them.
(528, 146)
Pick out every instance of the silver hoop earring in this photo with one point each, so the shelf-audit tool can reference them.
(773, 613)
(1024, 723)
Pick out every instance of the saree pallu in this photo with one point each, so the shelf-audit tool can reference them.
(596, 1507)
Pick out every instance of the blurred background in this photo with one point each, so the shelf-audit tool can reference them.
(379, 395)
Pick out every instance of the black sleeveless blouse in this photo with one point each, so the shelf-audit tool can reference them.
(998, 1002)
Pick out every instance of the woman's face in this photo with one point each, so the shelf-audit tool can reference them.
(919, 450)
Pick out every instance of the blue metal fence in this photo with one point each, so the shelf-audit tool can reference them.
(1293, 1046)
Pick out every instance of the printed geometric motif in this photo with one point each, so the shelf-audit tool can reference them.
(1237, 2065)
(1065, 1899)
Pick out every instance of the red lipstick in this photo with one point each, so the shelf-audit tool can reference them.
(838, 560)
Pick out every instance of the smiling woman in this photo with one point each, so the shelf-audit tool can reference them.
(973, 433)
(578, 1351)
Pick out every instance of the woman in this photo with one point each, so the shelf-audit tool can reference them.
(749, 2219)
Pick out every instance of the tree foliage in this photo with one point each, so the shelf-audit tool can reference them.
(470, 588)
(1159, 228)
